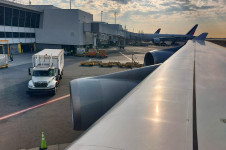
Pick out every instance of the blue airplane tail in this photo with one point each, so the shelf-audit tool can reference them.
(192, 31)
(158, 31)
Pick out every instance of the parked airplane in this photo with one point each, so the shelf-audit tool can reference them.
(131, 35)
(181, 105)
(162, 38)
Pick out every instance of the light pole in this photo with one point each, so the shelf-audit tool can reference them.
(115, 16)
(70, 4)
(101, 15)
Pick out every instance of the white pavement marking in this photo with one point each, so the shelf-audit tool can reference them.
(33, 107)
(125, 56)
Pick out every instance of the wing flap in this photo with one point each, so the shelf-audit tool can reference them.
(211, 96)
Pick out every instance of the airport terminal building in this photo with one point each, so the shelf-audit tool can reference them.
(29, 28)
(17, 25)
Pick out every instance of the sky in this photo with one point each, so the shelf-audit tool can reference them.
(172, 16)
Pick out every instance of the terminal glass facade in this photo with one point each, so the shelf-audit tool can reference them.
(18, 18)
(17, 35)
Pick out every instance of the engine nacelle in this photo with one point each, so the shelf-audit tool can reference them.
(92, 97)
(159, 56)
(156, 41)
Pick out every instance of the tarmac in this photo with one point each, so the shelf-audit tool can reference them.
(52, 147)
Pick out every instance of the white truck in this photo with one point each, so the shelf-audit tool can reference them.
(46, 72)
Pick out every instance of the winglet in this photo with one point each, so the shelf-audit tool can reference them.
(201, 37)
(158, 31)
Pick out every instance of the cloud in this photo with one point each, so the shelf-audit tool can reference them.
(122, 1)
(149, 13)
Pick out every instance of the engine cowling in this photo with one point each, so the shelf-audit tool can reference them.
(156, 41)
(159, 56)
(94, 96)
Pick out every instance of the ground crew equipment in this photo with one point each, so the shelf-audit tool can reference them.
(101, 54)
(111, 64)
(91, 53)
(4, 56)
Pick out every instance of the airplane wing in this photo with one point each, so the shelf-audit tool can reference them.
(181, 105)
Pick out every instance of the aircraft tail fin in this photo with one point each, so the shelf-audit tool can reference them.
(158, 31)
(192, 31)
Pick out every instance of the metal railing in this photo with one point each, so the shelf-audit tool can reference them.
(42, 61)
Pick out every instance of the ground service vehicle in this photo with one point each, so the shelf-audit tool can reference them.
(46, 72)
(4, 56)
(4, 60)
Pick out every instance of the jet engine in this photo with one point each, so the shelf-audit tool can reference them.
(159, 56)
(92, 97)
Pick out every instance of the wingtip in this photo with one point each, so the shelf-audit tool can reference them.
(201, 37)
